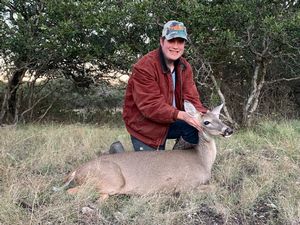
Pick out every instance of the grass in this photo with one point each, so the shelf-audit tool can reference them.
(256, 179)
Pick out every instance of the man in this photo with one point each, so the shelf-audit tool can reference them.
(160, 82)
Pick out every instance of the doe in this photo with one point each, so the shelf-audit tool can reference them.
(148, 172)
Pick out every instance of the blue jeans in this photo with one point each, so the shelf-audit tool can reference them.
(176, 130)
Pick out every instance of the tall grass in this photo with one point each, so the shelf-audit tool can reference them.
(255, 179)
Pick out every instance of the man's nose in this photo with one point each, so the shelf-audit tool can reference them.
(175, 43)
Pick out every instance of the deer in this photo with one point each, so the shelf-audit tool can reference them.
(148, 172)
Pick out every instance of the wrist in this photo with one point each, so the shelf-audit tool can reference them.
(180, 115)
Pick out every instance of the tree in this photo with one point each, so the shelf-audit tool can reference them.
(236, 48)
(42, 37)
(244, 46)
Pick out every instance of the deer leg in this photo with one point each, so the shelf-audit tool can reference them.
(110, 180)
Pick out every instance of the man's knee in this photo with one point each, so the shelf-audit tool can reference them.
(139, 145)
(189, 133)
(182, 144)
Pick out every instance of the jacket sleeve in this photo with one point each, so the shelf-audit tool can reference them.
(148, 97)
(190, 91)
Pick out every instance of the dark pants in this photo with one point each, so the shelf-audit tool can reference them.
(176, 130)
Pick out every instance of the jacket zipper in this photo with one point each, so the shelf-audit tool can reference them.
(181, 86)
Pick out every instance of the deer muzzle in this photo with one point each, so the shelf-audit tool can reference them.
(227, 132)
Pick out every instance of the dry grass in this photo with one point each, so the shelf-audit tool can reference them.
(255, 178)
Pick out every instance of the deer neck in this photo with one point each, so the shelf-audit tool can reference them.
(206, 150)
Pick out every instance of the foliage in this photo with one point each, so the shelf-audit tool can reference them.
(70, 103)
(246, 47)
(237, 48)
(56, 34)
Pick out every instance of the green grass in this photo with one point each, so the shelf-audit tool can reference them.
(255, 179)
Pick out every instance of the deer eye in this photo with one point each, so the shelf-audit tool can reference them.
(206, 123)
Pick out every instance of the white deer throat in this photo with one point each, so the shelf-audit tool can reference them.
(207, 150)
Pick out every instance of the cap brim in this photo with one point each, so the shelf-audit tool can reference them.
(176, 36)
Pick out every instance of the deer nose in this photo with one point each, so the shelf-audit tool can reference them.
(228, 132)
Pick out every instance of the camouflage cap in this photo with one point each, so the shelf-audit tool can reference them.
(174, 29)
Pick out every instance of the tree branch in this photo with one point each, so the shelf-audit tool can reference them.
(222, 97)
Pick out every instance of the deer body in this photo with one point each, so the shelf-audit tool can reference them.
(153, 171)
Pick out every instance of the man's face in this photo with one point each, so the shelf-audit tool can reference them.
(173, 48)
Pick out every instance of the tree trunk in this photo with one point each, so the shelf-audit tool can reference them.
(9, 109)
(222, 97)
(258, 81)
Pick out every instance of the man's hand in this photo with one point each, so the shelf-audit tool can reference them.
(193, 121)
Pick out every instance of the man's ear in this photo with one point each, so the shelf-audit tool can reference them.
(161, 41)
(190, 108)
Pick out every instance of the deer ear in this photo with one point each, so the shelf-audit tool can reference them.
(216, 111)
(190, 108)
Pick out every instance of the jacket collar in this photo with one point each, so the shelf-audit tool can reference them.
(163, 64)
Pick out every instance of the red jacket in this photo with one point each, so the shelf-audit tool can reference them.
(148, 109)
